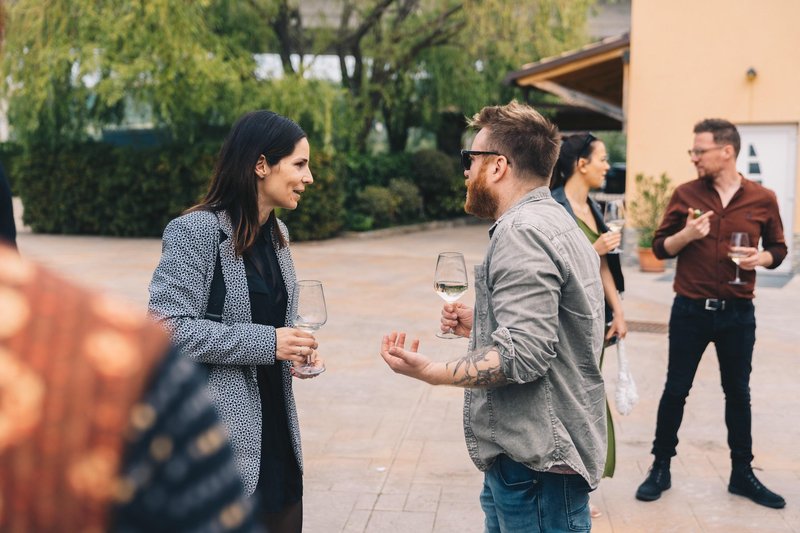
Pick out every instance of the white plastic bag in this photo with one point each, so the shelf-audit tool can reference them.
(626, 396)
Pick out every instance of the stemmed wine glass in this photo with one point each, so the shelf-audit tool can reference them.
(310, 314)
(450, 281)
(614, 217)
(739, 240)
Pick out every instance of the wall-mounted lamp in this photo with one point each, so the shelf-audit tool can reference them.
(751, 74)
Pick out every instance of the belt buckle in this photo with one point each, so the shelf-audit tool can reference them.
(713, 304)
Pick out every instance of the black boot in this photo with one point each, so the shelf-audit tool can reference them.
(658, 480)
(745, 483)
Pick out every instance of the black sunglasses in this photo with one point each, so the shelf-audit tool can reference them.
(466, 157)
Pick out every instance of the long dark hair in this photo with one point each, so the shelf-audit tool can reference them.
(233, 185)
(573, 147)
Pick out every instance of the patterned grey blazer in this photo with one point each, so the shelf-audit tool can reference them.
(231, 350)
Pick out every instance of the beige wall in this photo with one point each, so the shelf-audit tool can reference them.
(688, 62)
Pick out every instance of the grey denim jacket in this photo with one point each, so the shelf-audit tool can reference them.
(539, 303)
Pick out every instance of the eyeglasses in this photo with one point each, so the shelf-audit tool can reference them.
(466, 157)
(698, 152)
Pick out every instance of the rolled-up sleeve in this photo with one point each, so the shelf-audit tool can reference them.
(525, 291)
(674, 220)
(772, 238)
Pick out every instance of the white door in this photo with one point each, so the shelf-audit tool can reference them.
(769, 156)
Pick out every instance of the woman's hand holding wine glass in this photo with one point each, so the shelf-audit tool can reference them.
(310, 314)
(614, 217)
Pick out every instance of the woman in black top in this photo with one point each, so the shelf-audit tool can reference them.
(581, 166)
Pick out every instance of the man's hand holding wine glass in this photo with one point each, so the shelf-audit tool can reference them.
(753, 258)
(457, 317)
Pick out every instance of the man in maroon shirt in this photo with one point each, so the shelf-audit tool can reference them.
(697, 229)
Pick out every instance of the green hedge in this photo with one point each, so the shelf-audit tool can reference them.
(100, 189)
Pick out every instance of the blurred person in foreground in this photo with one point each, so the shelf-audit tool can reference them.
(581, 166)
(707, 307)
(233, 239)
(103, 426)
(534, 405)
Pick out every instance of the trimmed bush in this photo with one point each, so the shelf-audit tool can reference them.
(407, 200)
(363, 170)
(440, 182)
(378, 204)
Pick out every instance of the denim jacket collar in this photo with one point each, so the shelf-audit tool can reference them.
(539, 193)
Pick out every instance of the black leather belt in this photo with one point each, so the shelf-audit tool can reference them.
(709, 304)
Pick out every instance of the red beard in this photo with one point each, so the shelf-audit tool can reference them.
(481, 202)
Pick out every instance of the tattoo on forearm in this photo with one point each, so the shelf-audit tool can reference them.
(476, 370)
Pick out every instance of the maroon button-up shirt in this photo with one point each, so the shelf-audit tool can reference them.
(704, 268)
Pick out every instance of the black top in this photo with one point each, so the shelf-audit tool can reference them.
(279, 480)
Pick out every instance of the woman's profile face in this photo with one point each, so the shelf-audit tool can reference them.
(595, 167)
(282, 185)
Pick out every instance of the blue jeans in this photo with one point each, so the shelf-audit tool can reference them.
(691, 329)
(516, 499)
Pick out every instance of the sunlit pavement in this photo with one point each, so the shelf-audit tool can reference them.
(384, 453)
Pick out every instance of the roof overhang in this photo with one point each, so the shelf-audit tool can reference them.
(591, 77)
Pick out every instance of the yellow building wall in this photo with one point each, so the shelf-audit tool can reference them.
(688, 62)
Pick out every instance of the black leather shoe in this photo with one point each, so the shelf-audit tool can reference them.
(658, 480)
(745, 483)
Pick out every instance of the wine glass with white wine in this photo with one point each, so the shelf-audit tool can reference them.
(739, 241)
(310, 314)
(450, 281)
(614, 217)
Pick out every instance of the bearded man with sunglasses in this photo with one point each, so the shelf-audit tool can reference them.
(710, 306)
(534, 404)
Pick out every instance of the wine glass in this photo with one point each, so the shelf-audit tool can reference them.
(450, 281)
(309, 315)
(614, 217)
(739, 240)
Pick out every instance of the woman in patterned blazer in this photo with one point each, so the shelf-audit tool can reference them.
(250, 350)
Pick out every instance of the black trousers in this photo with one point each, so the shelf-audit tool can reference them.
(691, 329)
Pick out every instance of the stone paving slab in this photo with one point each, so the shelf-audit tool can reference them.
(386, 454)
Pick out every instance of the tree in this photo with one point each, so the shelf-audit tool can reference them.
(71, 68)
(406, 60)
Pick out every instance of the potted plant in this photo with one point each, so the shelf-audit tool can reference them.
(647, 210)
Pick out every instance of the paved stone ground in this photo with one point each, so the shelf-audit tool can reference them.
(386, 454)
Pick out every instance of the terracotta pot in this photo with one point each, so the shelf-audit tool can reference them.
(648, 262)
